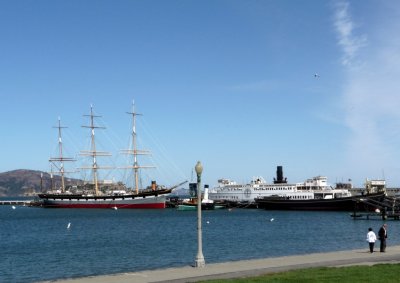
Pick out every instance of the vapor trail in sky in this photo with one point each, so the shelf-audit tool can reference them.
(370, 93)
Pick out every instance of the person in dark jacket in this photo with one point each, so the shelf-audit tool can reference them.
(382, 234)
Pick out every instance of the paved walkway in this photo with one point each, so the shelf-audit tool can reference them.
(244, 268)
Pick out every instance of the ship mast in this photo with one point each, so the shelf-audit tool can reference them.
(134, 151)
(58, 162)
(93, 152)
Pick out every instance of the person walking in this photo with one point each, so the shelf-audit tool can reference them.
(371, 238)
(382, 233)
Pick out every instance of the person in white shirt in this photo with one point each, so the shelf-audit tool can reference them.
(371, 238)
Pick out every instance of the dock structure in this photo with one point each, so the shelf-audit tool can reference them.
(389, 207)
(390, 191)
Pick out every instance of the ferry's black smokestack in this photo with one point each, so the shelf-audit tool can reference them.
(279, 176)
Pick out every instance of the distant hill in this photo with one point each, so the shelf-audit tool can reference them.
(23, 182)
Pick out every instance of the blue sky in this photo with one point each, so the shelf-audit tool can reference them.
(230, 83)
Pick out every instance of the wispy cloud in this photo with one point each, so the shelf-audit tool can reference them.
(371, 99)
(345, 29)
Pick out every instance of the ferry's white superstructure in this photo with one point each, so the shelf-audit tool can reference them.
(317, 187)
(227, 190)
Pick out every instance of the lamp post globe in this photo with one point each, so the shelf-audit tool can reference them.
(199, 170)
(199, 262)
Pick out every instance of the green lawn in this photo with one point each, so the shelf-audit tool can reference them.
(380, 273)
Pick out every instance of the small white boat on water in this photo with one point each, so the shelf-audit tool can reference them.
(191, 204)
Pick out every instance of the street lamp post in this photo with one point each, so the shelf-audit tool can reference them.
(199, 262)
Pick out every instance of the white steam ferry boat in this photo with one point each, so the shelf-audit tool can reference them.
(314, 188)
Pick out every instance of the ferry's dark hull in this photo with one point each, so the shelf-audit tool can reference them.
(149, 199)
(358, 203)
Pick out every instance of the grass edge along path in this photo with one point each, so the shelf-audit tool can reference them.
(379, 273)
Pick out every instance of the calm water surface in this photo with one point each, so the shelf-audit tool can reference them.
(36, 245)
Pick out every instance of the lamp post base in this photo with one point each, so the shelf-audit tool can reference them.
(199, 262)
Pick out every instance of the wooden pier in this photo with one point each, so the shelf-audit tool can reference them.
(388, 208)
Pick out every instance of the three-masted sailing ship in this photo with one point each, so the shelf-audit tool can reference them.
(94, 196)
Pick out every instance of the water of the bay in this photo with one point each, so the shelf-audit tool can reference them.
(36, 245)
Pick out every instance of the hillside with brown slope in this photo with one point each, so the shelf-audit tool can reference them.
(24, 182)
